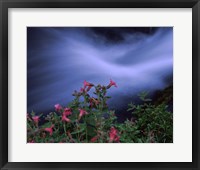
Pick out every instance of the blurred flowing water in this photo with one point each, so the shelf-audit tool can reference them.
(60, 59)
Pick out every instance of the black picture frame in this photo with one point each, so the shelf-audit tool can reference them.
(6, 4)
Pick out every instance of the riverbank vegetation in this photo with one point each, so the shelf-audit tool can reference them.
(88, 119)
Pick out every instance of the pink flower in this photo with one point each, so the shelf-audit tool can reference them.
(67, 112)
(94, 139)
(93, 102)
(117, 139)
(82, 113)
(113, 135)
(32, 141)
(65, 119)
(82, 90)
(87, 84)
(112, 83)
(50, 130)
(58, 107)
(36, 119)
(89, 87)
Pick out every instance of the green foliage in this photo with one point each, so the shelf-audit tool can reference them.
(151, 124)
(88, 119)
(143, 96)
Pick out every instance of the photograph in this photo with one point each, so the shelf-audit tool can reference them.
(99, 84)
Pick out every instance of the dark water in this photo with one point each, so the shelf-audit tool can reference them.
(60, 59)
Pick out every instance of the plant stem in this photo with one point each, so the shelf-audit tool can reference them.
(64, 129)
(77, 135)
(86, 134)
(29, 126)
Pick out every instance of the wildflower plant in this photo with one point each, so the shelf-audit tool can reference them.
(83, 120)
(88, 119)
